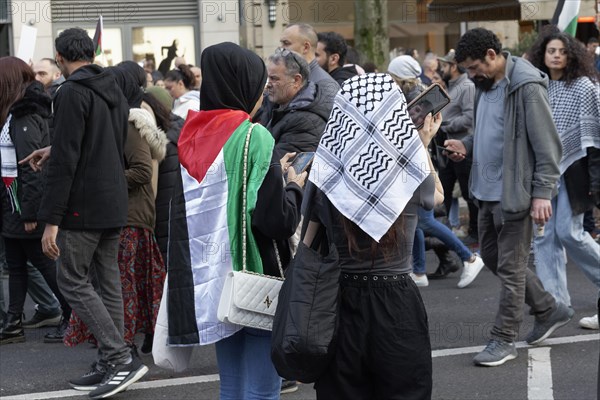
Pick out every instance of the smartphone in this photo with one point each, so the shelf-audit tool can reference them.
(431, 101)
(448, 150)
(302, 161)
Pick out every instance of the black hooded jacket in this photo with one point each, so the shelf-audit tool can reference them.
(28, 132)
(298, 126)
(342, 74)
(86, 187)
(168, 173)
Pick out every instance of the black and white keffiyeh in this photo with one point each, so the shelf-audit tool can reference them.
(370, 159)
(8, 165)
(576, 111)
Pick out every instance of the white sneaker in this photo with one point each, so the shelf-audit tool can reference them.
(420, 281)
(470, 271)
(589, 322)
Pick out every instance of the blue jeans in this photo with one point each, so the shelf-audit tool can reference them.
(245, 366)
(435, 228)
(566, 236)
(40, 292)
(454, 214)
(419, 253)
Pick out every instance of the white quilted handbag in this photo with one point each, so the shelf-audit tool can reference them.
(248, 298)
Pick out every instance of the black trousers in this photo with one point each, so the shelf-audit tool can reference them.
(18, 252)
(459, 171)
(383, 349)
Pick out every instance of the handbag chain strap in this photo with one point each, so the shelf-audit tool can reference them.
(244, 204)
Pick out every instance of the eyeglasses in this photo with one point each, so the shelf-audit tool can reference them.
(552, 50)
(285, 53)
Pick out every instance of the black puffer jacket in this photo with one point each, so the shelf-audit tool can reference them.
(28, 132)
(298, 126)
(167, 176)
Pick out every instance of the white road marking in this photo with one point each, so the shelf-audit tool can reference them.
(539, 374)
(520, 345)
(61, 394)
(215, 378)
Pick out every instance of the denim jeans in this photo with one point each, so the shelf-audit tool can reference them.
(19, 252)
(40, 292)
(568, 235)
(435, 228)
(459, 171)
(87, 256)
(245, 366)
(419, 253)
(454, 214)
(505, 251)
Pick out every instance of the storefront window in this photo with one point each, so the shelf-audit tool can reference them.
(162, 44)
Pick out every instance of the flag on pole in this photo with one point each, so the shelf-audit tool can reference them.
(565, 16)
(98, 37)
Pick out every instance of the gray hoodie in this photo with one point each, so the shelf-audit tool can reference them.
(532, 148)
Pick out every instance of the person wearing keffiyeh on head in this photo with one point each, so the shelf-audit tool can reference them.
(574, 94)
(370, 174)
(24, 112)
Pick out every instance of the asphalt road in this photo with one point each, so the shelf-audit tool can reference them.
(565, 367)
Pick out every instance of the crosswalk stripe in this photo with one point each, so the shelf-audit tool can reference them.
(539, 379)
(215, 377)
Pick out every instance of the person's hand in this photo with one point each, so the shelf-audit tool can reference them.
(430, 128)
(49, 246)
(30, 226)
(285, 161)
(457, 152)
(299, 180)
(541, 211)
(37, 159)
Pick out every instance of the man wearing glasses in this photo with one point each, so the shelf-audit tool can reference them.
(300, 106)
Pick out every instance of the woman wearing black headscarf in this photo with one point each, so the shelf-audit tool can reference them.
(208, 218)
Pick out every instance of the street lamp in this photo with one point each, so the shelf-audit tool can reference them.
(272, 4)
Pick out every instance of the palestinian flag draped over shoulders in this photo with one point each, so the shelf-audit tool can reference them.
(205, 235)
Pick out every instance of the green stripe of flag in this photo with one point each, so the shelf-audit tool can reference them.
(259, 153)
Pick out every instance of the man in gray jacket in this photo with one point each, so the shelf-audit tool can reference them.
(516, 151)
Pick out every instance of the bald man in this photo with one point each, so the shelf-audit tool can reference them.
(48, 74)
(302, 38)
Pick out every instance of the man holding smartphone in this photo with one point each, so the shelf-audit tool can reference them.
(458, 124)
(516, 150)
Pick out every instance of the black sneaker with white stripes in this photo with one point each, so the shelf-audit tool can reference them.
(119, 377)
(91, 379)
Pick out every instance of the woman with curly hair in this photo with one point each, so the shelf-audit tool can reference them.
(574, 95)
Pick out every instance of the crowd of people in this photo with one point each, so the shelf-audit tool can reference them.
(120, 182)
